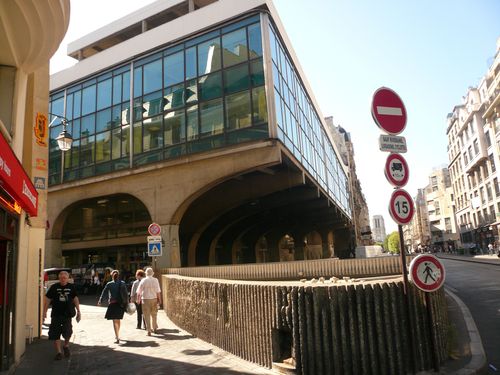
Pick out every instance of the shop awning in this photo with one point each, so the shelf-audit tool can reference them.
(15, 181)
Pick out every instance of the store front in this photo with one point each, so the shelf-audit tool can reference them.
(17, 193)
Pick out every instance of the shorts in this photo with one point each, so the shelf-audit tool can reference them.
(60, 326)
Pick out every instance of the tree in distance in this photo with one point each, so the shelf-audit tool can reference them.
(391, 243)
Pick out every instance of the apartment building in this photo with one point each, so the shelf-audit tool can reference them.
(473, 151)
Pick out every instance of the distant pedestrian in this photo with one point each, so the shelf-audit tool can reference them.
(116, 291)
(65, 304)
(139, 275)
(150, 295)
(490, 249)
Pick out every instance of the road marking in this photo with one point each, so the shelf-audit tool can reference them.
(390, 111)
(452, 289)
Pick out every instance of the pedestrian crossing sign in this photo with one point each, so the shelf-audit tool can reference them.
(154, 249)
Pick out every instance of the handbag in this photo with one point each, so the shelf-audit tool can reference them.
(130, 309)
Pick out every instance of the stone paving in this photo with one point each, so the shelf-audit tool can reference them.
(170, 351)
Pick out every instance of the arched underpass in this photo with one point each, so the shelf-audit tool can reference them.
(229, 223)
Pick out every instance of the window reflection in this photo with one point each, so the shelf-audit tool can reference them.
(234, 47)
(211, 118)
(174, 128)
(179, 95)
(209, 56)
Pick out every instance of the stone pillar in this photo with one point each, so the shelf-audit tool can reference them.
(191, 5)
(324, 243)
(298, 237)
(171, 255)
(342, 242)
(53, 253)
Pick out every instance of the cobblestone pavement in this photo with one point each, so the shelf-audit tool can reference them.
(93, 351)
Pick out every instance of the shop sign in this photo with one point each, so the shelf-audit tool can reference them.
(41, 130)
(15, 181)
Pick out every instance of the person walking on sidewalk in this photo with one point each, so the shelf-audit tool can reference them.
(65, 304)
(150, 294)
(116, 291)
(139, 275)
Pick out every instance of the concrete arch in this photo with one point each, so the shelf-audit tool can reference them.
(56, 228)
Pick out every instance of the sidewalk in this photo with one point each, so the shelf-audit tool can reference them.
(487, 259)
(176, 352)
(93, 350)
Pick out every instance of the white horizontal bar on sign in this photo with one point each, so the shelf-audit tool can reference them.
(390, 111)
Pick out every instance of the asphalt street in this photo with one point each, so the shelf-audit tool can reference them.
(478, 286)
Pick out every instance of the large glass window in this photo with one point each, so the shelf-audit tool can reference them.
(88, 100)
(210, 86)
(209, 56)
(174, 68)
(174, 127)
(238, 114)
(152, 76)
(211, 117)
(299, 126)
(104, 94)
(202, 93)
(234, 47)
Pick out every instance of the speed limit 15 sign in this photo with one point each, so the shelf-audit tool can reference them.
(401, 207)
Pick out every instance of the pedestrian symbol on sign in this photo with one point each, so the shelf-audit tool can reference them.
(154, 249)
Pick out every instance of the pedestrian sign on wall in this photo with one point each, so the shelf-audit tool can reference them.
(154, 246)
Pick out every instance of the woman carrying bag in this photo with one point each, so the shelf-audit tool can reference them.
(117, 301)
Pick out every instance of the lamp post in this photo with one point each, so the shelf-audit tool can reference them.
(64, 139)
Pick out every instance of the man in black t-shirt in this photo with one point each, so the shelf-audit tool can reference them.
(62, 296)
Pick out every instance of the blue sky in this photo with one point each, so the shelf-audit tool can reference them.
(429, 52)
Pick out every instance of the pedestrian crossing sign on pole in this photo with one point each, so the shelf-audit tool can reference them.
(154, 246)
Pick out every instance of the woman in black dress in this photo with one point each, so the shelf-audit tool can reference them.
(117, 301)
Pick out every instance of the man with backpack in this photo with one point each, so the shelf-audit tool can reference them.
(65, 305)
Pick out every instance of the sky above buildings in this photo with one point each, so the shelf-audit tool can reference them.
(428, 51)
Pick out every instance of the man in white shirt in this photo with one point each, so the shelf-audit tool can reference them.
(149, 294)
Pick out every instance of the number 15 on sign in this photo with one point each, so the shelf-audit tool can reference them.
(401, 207)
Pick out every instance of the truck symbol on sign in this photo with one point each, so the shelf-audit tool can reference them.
(397, 167)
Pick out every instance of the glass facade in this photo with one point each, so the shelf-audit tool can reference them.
(300, 127)
(106, 218)
(201, 94)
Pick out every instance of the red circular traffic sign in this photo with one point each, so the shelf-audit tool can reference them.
(427, 272)
(401, 207)
(396, 170)
(154, 229)
(388, 111)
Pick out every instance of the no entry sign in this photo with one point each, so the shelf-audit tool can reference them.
(388, 111)
(396, 170)
(427, 272)
(401, 207)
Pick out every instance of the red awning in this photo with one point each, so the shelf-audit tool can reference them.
(15, 181)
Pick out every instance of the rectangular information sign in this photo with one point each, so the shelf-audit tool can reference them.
(392, 143)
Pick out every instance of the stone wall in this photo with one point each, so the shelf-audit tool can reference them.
(321, 328)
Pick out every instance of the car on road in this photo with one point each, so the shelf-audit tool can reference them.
(51, 276)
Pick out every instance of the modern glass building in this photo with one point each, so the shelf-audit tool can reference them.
(230, 82)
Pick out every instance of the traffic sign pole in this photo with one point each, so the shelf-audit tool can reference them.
(402, 252)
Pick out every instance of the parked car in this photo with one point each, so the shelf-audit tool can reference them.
(51, 276)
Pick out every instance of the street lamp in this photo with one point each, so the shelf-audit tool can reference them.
(64, 139)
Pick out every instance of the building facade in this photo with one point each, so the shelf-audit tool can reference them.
(417, 233)
(361, 216)
(378, 228)
(25, 50)
(195, 115)
(440, 208)
(474, 157)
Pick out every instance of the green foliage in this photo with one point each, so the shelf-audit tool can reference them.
(393, 242)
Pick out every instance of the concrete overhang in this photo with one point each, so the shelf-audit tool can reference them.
(31, 31)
